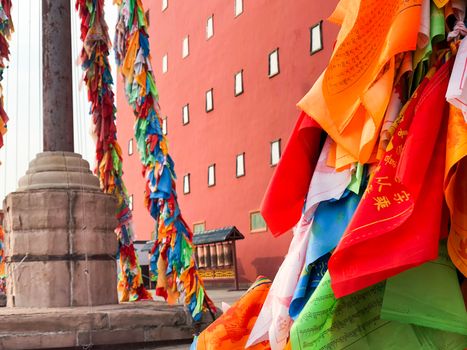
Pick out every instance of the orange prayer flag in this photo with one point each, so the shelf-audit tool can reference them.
(350, 98)
(232, 329)
(455, 187)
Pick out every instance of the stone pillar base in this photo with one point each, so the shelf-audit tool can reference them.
(142, 325)
(59, 236)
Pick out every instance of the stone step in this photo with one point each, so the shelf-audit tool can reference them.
(129, 325)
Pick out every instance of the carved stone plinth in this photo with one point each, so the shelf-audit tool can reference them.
(59, 240)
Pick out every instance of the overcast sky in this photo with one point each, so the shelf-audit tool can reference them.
(22, 89)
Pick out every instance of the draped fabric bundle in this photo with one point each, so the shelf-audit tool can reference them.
(98, 79)
(383, 221)
(6, 29)
(231, 330)
(172, 261)
(2, 263)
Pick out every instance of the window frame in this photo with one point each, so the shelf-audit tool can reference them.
(130, 147)
(235, 8)
(164, 126)
(212, 166)
(271, 153)
(186, 40)
(199, 223)
(211, 91)
(269, 63)
(235, 83)
(185, 191)
(236, 165)
(210, 20)
(165, 63)
(187, 106)
(263, 229)
(130, 202)
(320, 26)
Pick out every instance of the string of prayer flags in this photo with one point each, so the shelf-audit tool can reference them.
(398, 222)
(172, 262)
(98, 79)
(274, 320)
(2, 261)
(6, 29)
(329, 223)
(392, 104)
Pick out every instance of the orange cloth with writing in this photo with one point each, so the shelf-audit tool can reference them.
(350, 98)
(399, 220)
(455, 187)
(232, 329)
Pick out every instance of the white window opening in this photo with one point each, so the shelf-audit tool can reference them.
(165, 4)
(185, 47)
(165, 64)
(275, 152)
(130, 202)
(210, 27)
(186, 184)
(274, 63)
(209, 101)
(238, 7)
(316, 38)
(130, 147)
(212, 175)
(238, 83)
(241, 165)
(164, 126)
(185, 114)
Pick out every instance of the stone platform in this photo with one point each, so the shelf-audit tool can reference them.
(140, 325)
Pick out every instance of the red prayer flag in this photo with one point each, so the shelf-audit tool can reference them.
(398, 222)
(283, 202)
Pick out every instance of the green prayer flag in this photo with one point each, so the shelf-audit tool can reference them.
(428, 295)
(356, 179)
(353, 323)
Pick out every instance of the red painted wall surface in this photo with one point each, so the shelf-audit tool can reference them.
(247, 123)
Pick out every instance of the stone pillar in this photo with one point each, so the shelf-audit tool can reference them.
(60, 242)
(57, 76)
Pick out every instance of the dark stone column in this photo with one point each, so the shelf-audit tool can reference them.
(57, 76)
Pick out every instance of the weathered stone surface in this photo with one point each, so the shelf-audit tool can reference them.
(167, 333)
(60, 240)
(97, 286)
(37, 341)
(168, 317)
(56, 209)
(54, 320)
(37, 210)
(151, 323)
(38, 242)
(63, 170)
(94, 211)
(32, 284)
(95, 242)
(109, 337)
